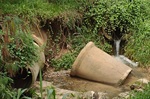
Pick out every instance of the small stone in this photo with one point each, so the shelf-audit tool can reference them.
(139, 90)
(143, 81)
(99, 95)
(124, 95)
(135, 86)
(132, 87)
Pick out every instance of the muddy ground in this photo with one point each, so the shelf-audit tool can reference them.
(62, 79)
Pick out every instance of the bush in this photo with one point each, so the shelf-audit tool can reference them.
(138, 46)
(116, 17)
(17, 48)
(16, 52)
(65, 62)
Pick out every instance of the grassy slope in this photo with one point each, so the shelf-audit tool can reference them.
(137, 47)
(36, 8)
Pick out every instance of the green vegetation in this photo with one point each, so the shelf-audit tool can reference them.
(123, 19)
(6, 91)
(64, 62)
(17, 46)
(141, 94)
(51, 94)
(31, 9)
(78, 41)
(17, 50)
(116, 17)
(138, 47)
(101, 22)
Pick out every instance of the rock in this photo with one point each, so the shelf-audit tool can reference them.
(124, 95)
(102, 95)
(67, 94)
(139, 90)
(139, 84)
(143, 81)
(94, 95)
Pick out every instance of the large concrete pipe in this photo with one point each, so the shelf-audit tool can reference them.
(94, 64)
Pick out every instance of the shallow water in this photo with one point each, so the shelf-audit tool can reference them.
(62, 79)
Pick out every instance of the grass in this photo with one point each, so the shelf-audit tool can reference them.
(142, 94)
(36, 8)
(138, 47)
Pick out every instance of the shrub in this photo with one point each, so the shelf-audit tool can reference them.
(17, 48)
(138, 46)
(116, 17)
(65, 62)
(16, 52)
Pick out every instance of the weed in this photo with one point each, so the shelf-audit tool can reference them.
(116, 17)
(64, 62)
(141, 94)
(138, 47)
(51, 94)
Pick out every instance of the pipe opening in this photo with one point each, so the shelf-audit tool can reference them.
(22, 79)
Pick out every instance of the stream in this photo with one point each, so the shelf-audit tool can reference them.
(122, 58)
(63, 80)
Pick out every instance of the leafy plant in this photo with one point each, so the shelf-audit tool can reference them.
(122, 19)
(77, 42)
(5, 92)
(51, 94)
(17, 51)
(85, 35)
(17, 46)
(138, 46)
(114, 18)
(65, 62)
(19, 93)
